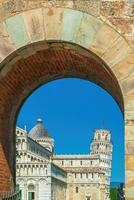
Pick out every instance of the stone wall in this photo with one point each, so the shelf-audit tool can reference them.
(59, 183)
(84, 191)
(58, 190)
(119, 14)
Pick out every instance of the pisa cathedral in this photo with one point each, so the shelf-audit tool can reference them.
(42, 175)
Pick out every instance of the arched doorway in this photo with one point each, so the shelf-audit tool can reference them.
(31, 192)
(35, 53)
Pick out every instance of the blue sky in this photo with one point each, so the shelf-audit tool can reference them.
(71, 109)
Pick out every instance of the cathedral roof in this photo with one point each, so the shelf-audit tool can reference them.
(39, 131)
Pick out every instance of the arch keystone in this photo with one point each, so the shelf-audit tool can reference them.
(53, 21)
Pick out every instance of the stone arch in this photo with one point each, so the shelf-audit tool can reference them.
(21, 181)
(44, 44)
(31, 181)
(42, 181)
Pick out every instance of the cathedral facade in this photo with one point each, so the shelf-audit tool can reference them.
(42, 175)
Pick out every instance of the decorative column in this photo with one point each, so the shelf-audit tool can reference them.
(25, 191)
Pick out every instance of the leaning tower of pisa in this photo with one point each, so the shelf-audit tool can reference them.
(101, 145)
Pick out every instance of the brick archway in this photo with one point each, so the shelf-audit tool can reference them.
(44, 44)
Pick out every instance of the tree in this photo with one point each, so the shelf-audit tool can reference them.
(113, 193)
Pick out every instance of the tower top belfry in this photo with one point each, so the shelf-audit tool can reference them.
(102, 135)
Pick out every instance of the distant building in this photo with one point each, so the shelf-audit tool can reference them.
(42, 175)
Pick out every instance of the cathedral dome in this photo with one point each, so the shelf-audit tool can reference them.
(39, 131)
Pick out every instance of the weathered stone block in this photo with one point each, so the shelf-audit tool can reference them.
(87, 31)
(56, 3)
(129, 191)
(129, 163)
(104, 39)
(129, 115)
(12, 6)
(129, 133)
(129, 102)
(129, 147)
(52, 21)
(17, 31)
(34, 23)
(127, 85)
(129, 8)
(70, 24)
(129, 122)
(129, 181)
(123, 25)
(125, 67)
(112, 8)
(118, 51)
(6, 45)
(88, 6)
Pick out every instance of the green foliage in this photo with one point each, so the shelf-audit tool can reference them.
(113, 194)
